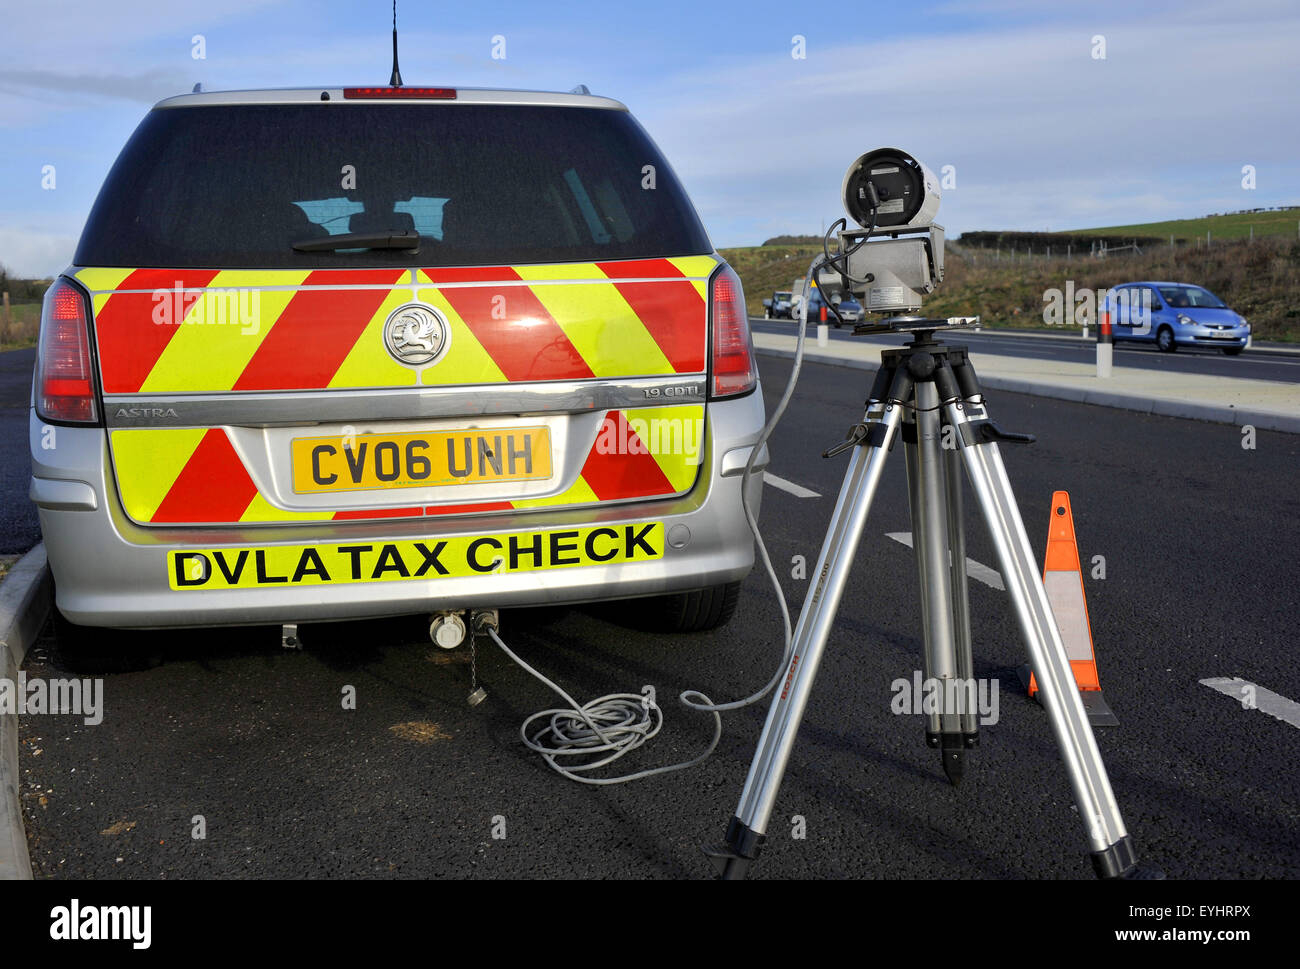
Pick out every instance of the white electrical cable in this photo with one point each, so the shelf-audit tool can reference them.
(613, 724)
(621, 722)
(688, 698)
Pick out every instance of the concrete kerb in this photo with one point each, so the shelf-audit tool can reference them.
(25, 602)
(1214, 413)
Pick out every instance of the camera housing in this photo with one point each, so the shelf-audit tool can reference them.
(897, 258)
(906, 193)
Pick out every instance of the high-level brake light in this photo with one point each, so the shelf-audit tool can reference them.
(417, 93)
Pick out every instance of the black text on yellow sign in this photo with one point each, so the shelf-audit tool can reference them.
(464, 555)
(373, 461)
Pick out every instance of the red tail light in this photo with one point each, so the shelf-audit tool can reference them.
(64, 389)
(733, 350)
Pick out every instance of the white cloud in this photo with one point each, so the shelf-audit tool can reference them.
(51, 86)
(101, 32)
(1039, 131)
(28, 252)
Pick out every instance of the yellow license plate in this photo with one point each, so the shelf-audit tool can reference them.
(281, 566)
(371, 462)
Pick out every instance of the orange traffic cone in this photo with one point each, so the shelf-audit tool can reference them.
(1063, 579)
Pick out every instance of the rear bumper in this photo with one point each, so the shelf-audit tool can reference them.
(109, 571)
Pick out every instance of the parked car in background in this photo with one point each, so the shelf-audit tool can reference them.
(814, 306)
(1171, 315)
(778, 307)
(850, 310)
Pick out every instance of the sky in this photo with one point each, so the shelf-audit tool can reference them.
(1052, 115)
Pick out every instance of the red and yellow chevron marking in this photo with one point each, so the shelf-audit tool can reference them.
(193, 331)
(194, 476)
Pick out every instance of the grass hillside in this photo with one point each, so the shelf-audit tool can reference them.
(1237, 225)
(764, 269)
(1260, 279)
(1190, 233)
(19, 328)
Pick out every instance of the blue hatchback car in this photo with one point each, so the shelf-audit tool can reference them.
(1171, 315)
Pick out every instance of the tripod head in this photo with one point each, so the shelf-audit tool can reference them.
(916, 324)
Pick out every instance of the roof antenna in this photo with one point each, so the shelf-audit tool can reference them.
(396, 79)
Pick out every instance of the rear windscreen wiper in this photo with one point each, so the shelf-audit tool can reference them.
(361, 240)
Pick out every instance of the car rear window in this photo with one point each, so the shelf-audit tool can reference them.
(235, 186)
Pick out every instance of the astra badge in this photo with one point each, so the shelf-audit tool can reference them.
(416, 335)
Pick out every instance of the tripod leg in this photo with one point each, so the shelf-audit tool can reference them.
(961, 596)
(914, 505)
(929, 492)
(748, 828)
(1112, 849)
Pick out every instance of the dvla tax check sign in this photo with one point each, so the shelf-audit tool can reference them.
(457, 556)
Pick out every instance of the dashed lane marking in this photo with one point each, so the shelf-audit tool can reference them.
(1254, 697)
(799, 491)
(975, 570)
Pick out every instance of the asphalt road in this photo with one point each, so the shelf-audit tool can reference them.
(19, 528)
(1202, 547)
(1252, 364)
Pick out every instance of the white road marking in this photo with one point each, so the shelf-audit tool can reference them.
(975, 570)
(1253, 697)
(799, 491)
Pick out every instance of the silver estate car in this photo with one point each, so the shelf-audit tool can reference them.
(342, 353)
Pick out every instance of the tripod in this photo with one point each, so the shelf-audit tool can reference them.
(927, 388)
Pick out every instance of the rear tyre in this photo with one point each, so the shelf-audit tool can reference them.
(91, 649)
(690, 612)
(1165, 340)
